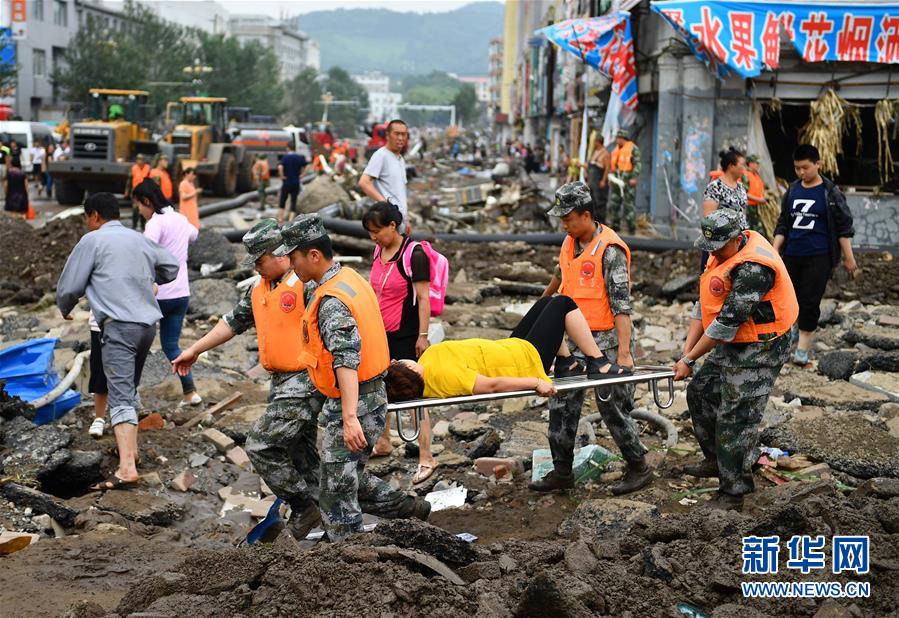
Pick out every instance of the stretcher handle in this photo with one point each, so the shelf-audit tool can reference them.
(417, 416)
(598, 389)
(655, 393)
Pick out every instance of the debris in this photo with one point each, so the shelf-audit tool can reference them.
(888, 320)
(238, 457)
(151, 421)
(24, 497)
(197, 460)
(221, 442)
(886, 384)
(422, 559)
(839, 364)
(211, 412)
(183, 481)
(451, 498)
(606, 517)
(487, 466)
(210, 247)
(484, 445)
(589, 463)
(11, 542)
(468, 429)
(211, 297)
(440, 429)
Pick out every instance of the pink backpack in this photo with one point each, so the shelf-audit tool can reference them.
(439, 274)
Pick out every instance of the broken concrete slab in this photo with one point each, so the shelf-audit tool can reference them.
(468, 429)
(813, 389)
(11, 542)
(606, 517)
(839, 364)
(886, 384)
(40, 502)
(418, 535)
(183, 481)
(212, 297)
(133, 505)
(238, 457)
(880, 337)
(845, 441)
(888, 320)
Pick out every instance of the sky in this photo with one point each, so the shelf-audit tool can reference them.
(275, 8)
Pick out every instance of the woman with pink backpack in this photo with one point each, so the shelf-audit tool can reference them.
(409, 279)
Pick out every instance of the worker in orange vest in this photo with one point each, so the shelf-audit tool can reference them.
(345, 352)
(625, 168)
(594, 270)
(747, 307)
(282, 443)
(160, 173)
(755, 193)
(140, 170)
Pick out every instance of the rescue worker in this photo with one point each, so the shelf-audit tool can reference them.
(746, 309)
(140, 170)
(160, 173)
(345, 352)
(261, 176)
(755, 194)
(625, 165)
(282, 443)
(594, 270)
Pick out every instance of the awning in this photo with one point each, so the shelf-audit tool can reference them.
(606, 44)
(729, 35)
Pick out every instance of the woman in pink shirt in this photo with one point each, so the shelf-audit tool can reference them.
(173, 231)
(401, 277)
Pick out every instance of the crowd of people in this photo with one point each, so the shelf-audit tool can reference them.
(340, 347)
(16, 195)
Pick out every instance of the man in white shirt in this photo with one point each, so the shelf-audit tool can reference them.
(384, 178)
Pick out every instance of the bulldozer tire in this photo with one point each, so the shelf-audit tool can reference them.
(245, 175)
(226, 180)
(68, 193)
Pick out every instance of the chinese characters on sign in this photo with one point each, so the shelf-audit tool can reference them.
(806, 554)
(604, 43)
(731, 35)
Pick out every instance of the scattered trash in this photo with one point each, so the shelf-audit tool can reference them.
(467, 537)
(774, 453)
(451, 498)
(687, 502)
(589, 463)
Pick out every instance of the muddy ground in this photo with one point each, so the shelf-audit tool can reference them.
(159, 551)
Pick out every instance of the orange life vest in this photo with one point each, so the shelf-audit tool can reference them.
(583, 279)
(355, 292)
(621, 158)
(278, 314)
(138, 174)
(165, 182)
(756, 186)
(715, 284)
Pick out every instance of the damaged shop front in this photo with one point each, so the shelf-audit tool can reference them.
(764, 77)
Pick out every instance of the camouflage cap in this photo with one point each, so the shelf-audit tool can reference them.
(623, 133)
(718, 228)
(568, 197)
(300, 232)
(753, 158)
(264, 237)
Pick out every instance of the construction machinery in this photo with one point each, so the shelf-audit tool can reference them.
(199, 139)
(115, 129)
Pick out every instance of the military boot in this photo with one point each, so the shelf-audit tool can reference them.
(302, 520)
(553, 481)
(415, 507)
(636, 476)
(707, 468)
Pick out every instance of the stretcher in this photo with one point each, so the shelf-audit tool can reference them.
(642, 374)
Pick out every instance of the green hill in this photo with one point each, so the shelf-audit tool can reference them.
(406, 43)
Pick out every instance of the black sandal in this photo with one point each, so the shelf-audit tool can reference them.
(113, 483)
(567, 367)
(594, 364)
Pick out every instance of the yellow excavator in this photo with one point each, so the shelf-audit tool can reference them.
(199, 139)
(114, 130)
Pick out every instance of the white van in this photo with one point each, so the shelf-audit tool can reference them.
(27, 134)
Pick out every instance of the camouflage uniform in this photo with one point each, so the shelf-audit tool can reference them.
(282, 443)
(728, 394)
(623, 208)
(565, 408)
(344, 481)
(342, 471)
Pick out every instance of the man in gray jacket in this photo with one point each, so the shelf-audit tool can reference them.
(116, 268)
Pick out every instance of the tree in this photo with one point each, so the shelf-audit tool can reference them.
(466, 102)
(342, 88)
(304, 97)
(248, 75)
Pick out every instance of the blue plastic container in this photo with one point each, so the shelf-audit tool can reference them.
(30, 373)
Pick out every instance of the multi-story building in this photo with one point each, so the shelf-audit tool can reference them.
(481, 87)
(382, 104)
(494, 77)
(206, 15)
(290, 45)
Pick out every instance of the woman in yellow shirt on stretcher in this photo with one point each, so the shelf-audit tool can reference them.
(521, 362)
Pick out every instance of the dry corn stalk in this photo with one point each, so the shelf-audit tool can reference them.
(828, 121)
(883, 117)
